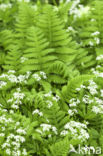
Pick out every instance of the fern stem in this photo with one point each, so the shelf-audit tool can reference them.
(54, 1)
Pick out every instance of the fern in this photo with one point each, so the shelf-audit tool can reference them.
(12, 60)
(69, 91)
(57, 36)
(38, 53)
(60, 148)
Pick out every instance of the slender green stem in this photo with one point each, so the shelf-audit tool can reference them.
(55, 3)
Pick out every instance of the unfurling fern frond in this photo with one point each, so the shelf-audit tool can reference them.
(38, 54)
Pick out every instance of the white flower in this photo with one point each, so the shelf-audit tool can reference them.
(36, 111)
(95, 33)
(23, 59)
(96, 109)
(50, 104)
(43, 74)
(12, 78)
(46, 127)
(101, 92)
(64, 132)
(5, 6)
(97, 40)
(91, 43)
(5, 145)
(11, 111)
(37, 77)
(24, 151)
(3, 75)
(2, 83)
(92, 20)
(11, 71)
(84, 133)
(70, 29)
(18, 95)
(17, 123)
(100, 57)
(48, 94)
(10, 100)
(21, 131)
(15, 106)
(49, 136)
(8, 151)
(56, 98)
(70, 112)
(54, 129)
(2, 134)
(21, 78)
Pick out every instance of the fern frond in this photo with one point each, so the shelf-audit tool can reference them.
(12, 60)
(57, 36)
(69, 91)
(60, 148)
(38, 54)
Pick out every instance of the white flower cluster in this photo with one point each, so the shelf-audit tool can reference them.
(74, 102)
(2, 84)
(95, 33)
(36, 111)
(97, 40)
(48, 94)
(17, 99)
(16, 79)
(23, 59)
(50, 104)
(100, 57)
(55, 98)
(5, 120)
(91, 43)
(98, 109)
(38, 76)
(92, 87)
(82, 86)
(11, 143)
(77, 129)
(71, 112)
(70, 29)
(78, 12)
(5, 6)
(73, 9)
(48, 127)
(86, 99)
(96, 73)
(64, 133)
(43, 74)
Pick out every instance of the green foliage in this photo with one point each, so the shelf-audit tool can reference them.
(51, 77)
